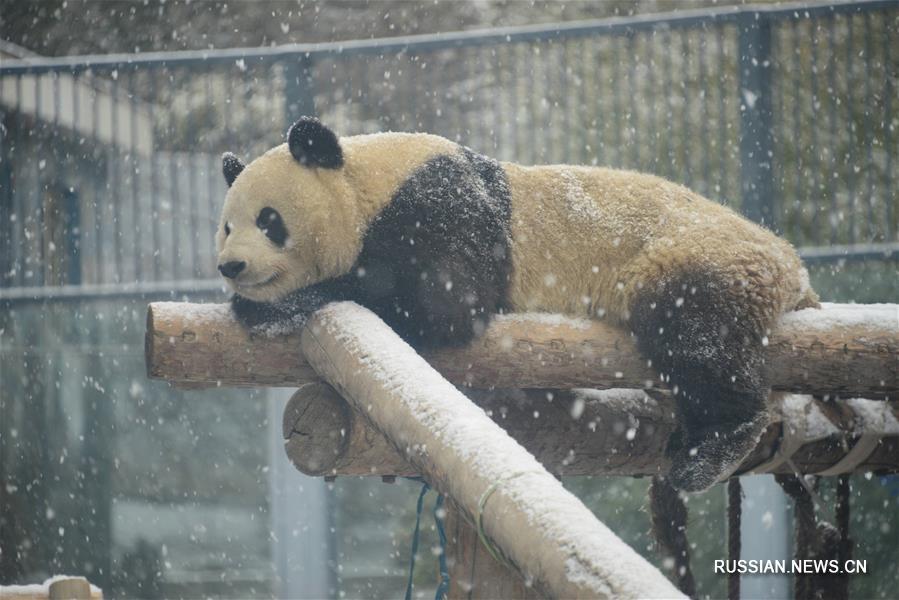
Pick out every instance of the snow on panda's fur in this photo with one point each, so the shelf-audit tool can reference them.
(435, 239)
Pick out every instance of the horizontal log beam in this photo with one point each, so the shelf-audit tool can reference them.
(588, 432)
(841, 350)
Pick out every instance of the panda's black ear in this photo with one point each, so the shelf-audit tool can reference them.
(314, 145)
(231, 167)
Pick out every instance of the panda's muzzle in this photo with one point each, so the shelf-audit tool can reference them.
(232, 269)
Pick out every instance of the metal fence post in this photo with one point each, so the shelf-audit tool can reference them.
(72, 232)
(756, 119)
(299, 92)
(7, 223)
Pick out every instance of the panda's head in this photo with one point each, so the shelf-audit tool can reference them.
(290, 217)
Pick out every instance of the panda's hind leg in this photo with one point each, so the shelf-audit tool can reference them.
(704, 336)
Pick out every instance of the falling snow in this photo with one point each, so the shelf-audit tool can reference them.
(111, 187)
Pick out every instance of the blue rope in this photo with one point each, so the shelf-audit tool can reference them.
(443, 586)
(421, 499)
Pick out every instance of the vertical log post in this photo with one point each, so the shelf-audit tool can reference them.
(70, 588)
(474, 574)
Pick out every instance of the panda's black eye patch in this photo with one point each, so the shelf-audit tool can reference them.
(227, 230)
(271, 224)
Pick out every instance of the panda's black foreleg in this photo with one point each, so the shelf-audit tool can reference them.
(437, 304)
(708, 344)
(456, 316)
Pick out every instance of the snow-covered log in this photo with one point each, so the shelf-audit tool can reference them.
(549, 536)
(844, 350)
(58, 587)
(590, 432)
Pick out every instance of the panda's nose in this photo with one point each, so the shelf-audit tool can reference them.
(232, 269)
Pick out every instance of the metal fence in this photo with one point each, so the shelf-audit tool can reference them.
(110, 164)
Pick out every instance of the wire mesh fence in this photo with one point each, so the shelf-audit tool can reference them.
(110, 165)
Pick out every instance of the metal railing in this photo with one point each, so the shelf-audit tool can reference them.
(110, 171)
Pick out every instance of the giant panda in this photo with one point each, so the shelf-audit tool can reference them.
(436, 239)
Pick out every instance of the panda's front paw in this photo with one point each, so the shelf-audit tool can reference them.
(262, 318)
(701, 460)
(283, 326)
(250, 313)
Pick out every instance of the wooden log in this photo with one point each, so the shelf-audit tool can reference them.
(59, 587)
(541, 528)
(840, 350)
(71, 588)
(621, 435)
(585, 432)
(192, 344)
(323, 435)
